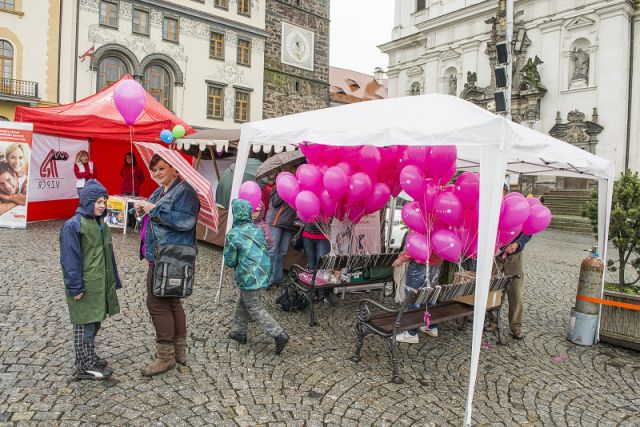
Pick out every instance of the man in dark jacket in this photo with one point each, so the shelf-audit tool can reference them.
(90, 277)
(280, 218)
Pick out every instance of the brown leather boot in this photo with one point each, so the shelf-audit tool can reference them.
(164, 361)
(180, 347)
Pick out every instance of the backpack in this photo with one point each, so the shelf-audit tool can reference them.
(291, 299)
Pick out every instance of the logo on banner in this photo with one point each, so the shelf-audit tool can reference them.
(49, 167)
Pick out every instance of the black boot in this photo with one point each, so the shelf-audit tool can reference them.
(241, 338)
(281, 342)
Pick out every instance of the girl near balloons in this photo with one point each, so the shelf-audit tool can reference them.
(84, 169)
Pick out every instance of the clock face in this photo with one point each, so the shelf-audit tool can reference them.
(297, 46)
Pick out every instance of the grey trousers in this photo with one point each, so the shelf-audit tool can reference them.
(250, 304)
(513, 265)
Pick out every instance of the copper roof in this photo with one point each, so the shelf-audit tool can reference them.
(349, 86)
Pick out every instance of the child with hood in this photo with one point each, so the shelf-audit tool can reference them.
(245, 249)
(90, 277)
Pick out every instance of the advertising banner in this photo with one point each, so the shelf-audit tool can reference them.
(363, 238)
(116, 212)
(15, 157)
(51, 175)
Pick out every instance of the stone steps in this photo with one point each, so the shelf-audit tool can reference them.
(571, 223)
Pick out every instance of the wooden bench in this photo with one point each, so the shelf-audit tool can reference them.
(387, 322)
(307, 282)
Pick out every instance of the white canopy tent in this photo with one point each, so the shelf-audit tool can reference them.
(485, 142)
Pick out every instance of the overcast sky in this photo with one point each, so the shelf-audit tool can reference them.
(357, 27)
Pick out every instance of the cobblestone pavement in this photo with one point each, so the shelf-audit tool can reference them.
(543, 380)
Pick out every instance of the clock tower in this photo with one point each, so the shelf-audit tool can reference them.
(296, 58)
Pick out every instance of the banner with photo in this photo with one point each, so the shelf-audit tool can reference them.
(15, 155)
(116, 212)
(52, 159)
(363, 238)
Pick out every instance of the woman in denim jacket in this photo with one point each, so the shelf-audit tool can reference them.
(172, 214)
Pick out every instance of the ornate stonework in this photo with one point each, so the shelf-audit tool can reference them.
(141, 46)
(577, 131)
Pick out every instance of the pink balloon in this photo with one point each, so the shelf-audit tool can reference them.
(355, 212)
(431, 191)
(507, 236)
(440, 161)
(412, 217)
(283, 174)
(308, 206)
(360, 186)
(388, 156)
(250, 191)
(288, 188)
(446, 177)
(346, 168)
(418, 247)
(538, 220)
(312, 152)
(328, 205)
(369, 160)
(448, 208)
(446, 245)
(412, 181)
(330, 155)
(515, 210)
(533, 201)
(418, 155)
(468, 189)
(378, 198)
(309, 178)
(336, 182)
(449, 189)
(129, 98)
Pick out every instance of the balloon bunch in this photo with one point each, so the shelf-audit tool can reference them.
(519, 214)
(342, 182)
(167, 136)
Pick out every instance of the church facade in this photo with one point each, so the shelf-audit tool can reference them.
(573, 66)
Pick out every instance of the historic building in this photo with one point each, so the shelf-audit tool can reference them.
(29, 59)
(573, 66)
(296, 58)
(202, 59)
(348, 86)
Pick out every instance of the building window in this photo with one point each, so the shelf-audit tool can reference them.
(215, 102)
(244, 52)
(7, 5)
(421, 4)
(110, 70)
(158, 83)
(242, 106)
(109, 13)
(170, 29)
(6, 59)
(244, 7)
(298, 86)
(216, 46)
(224, 4)
(140, 22)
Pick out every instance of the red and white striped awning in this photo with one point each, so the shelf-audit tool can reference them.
(208, 211)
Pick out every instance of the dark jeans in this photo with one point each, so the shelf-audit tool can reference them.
(417, 278)
(281, 238)
(167, 314)
(313, 250)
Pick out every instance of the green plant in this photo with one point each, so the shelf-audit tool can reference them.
(624, 228)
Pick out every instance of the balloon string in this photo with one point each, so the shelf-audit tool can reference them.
(133, 188)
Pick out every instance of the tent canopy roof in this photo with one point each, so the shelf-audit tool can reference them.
(97, 117)
(432, 119)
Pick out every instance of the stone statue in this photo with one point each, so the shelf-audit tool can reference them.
(580, 64)
(530, 75)
(453, 85)
(472, 79)
(414, 89)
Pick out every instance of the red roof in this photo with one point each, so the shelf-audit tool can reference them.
(97, 117)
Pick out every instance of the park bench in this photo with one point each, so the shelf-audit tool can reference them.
(373, 317)
(309, 283)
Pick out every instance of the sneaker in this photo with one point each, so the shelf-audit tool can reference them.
(281, 342)
(407, 338)
(432, 332)
(94, 374)
(101, 364)
(241, 338)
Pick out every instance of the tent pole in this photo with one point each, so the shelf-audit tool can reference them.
(217, 300)
(605, 195)
(215, 163)
(492, 169)
(198, 159)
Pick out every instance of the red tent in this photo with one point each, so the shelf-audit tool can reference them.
(96, 119)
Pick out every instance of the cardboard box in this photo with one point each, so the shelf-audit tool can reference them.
(493, 299)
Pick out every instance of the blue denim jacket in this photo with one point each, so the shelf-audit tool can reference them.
(173, 218)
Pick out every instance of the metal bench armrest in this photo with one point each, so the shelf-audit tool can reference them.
(364, 310)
